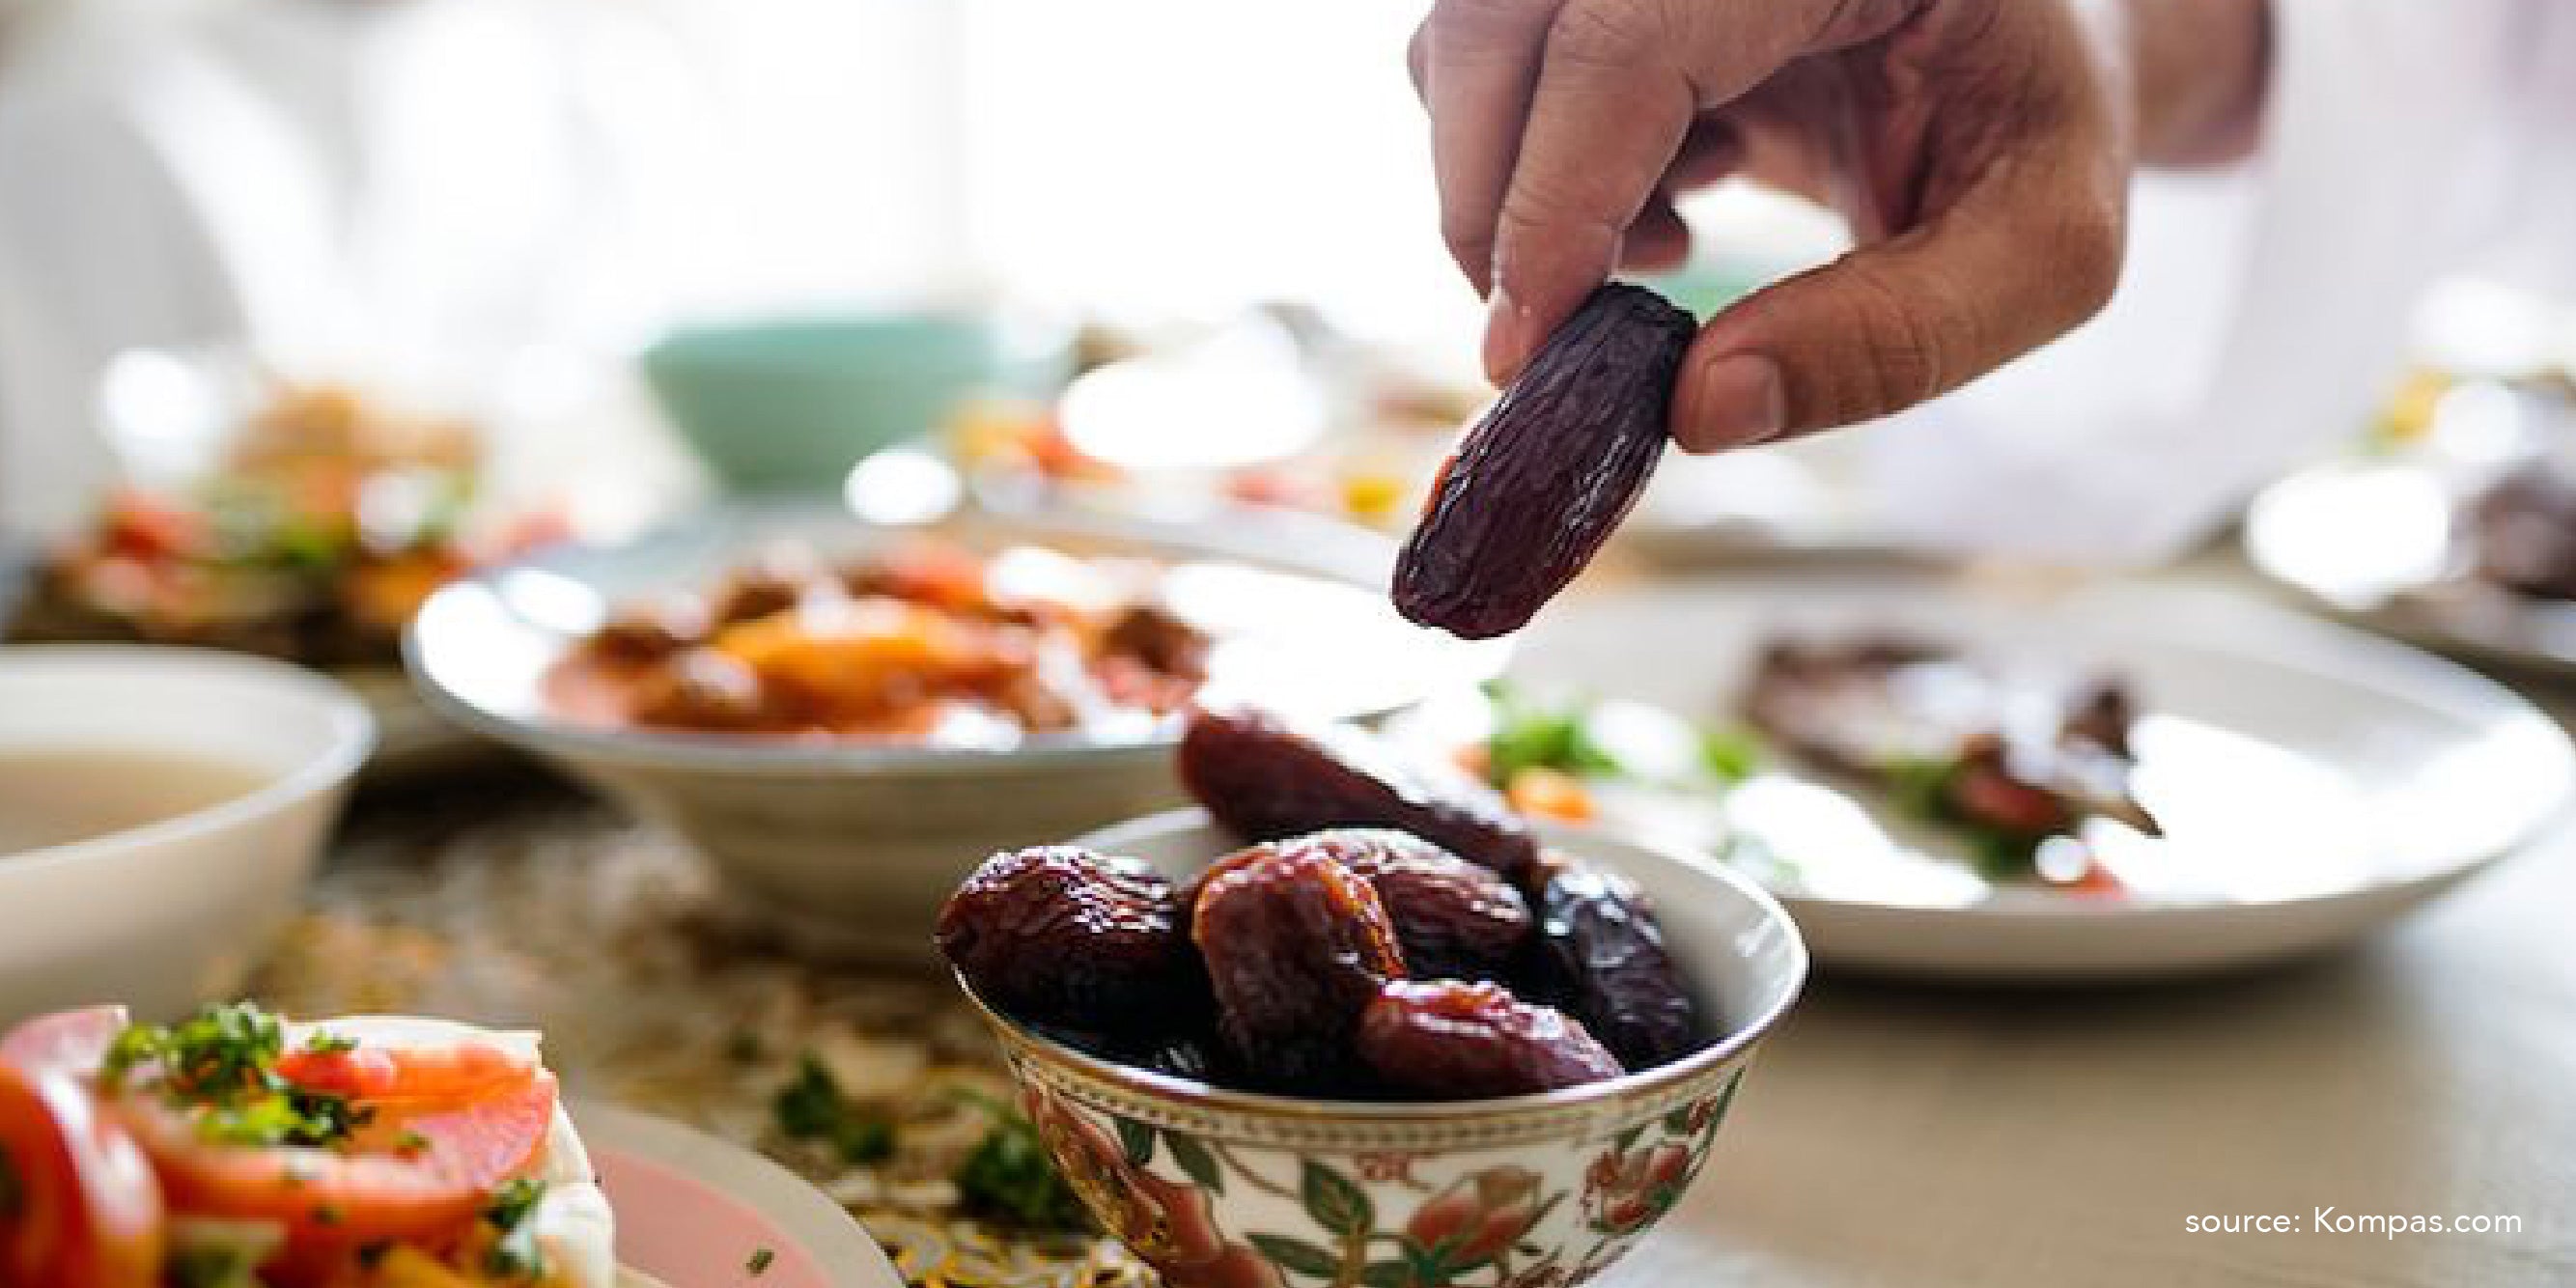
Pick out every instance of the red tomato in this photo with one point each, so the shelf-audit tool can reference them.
(75, 1041)
(421, 1171)
(78, 1204)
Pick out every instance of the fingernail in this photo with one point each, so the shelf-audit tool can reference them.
(1735, 400)
(1507, 337)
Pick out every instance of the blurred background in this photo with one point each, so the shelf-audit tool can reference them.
(626, 256)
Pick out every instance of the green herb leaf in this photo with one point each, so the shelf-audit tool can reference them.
(1334, 1202)
(1529, 734)
(514, 1252)
(813, 1108)
(1296, 1255)
(1731, 753)
(1010, 1177)
(760, 1261)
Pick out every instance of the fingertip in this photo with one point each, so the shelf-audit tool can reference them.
(1731, 400)
(1510, 336)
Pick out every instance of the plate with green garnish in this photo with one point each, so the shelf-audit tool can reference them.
(2073, 784)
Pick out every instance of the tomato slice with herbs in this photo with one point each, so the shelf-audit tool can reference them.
(78, 1203)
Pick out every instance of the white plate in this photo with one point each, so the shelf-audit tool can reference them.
(2372, 542)
(2314, 782)
(693, 1211)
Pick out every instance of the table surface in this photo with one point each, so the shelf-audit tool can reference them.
(1890, 1134)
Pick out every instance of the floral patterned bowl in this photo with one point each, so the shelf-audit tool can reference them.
(1229, 1189)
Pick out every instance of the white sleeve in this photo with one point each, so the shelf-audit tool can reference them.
(2262, 313)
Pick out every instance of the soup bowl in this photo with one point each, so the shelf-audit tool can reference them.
(174, 911)
(1229, 1189)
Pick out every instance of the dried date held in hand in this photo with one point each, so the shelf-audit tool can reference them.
(1296, 947)
(1060, 936)
(1453, 1041)
(1600, 955)
(1537, 485)
(1267, 779)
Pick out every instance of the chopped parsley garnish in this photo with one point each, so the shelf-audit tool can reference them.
(813, 1108)
(760, 1261)
(514, 1253)
(1009, 1176)
(1529, 734)
(13, 1191)
(223, 1060)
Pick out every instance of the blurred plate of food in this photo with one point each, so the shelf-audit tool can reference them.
(2454, 527)
(301, 520)
(2118, 782)
(843, 715)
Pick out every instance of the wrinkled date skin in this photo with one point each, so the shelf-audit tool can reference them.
(1450, 1041)
(1266, 780)
(1454, 919)
(1600, 955)
(1539, 483)
(1060, 936)
(1296, 948)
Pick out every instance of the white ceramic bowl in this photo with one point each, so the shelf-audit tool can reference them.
(1229, 1189)
(851, 847)
(172, 913)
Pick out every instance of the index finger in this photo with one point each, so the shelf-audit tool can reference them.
(1618, 88)
(1477, 63)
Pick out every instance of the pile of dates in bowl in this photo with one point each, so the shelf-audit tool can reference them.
(1356, 1022)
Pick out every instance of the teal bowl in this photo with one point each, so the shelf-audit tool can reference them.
(789, 405)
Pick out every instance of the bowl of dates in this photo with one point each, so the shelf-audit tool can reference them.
(1314, 1042)
(840, 717)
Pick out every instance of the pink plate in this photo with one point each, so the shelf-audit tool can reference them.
(695, 1212)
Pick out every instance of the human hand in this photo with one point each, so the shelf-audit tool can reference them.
(1981, 150)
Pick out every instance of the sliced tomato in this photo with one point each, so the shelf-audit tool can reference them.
(78, 1203)
(392, 1078)
(419, 1172)
(75, 1041)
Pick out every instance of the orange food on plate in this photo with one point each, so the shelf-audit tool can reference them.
(929, 643)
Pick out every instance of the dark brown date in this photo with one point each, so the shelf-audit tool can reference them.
(1296, 947)
(1538, 484)
(1267, 779)
(1600, 955)
(1454, 919)
(1061, 936)
(1451, 1041)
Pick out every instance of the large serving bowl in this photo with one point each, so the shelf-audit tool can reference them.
(850, 847)
(1229, 1189)
(171, 913)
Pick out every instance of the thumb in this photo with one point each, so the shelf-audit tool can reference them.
(1898, 322)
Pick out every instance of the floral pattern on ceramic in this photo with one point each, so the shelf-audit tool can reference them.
(1532, 1198)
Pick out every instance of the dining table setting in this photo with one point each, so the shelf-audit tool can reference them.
(1390, 864)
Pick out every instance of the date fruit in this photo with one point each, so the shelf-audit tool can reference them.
(1600, 955)
(1058, 935)
(1267, 779)
(1451, 1041)
(1538, 484)
(1296, 947)
(1453, 919)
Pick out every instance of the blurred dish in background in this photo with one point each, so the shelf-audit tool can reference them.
(2275, 786)
(299, 519)
(792, 404)
(2453, 526)
(852, 843)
